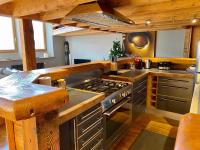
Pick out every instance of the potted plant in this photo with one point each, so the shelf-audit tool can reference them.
(116, 51)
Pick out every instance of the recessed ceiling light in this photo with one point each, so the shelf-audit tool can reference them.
(148, 22)
(131, 22)
(195, 20)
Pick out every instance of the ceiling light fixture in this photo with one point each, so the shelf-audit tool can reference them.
(195, 20)
(148, 22)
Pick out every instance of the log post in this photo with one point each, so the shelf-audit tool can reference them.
(28, 45)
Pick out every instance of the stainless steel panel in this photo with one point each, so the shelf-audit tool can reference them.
(180, 82)
(140, 83)
(175, 91)
(139, 97)
(138, 108)
(173, 105)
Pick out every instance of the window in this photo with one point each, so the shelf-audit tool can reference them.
(7, 42)
(39, 35)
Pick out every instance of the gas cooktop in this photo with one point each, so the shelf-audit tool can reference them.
(102, 85)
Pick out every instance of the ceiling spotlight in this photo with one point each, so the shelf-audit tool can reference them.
(195, 20)
(131, 22)
(148, 22)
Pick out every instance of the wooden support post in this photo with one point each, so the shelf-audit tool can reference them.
(187, 43)
(10, 135)
(195, 39)
(26, 134)
(28, 45)
(48, 132)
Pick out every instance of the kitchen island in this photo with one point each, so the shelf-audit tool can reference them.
(54, 105)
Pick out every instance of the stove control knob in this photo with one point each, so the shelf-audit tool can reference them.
(123, 94)
(113, 101)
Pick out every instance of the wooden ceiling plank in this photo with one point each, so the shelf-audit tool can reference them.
(158, 7)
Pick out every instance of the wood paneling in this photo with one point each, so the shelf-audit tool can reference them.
(195, 39)
(165, 14)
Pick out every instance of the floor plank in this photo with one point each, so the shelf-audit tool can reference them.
(158, 124)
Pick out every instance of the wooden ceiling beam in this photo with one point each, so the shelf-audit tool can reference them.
(6, 9)
(135, 3)
(5, 1)
(55, 14)
(29, 7)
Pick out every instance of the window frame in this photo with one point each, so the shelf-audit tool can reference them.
(7, 51)
(45, 38)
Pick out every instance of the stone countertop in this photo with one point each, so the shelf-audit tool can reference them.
(79, 101)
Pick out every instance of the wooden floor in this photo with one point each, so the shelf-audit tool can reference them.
(145, 121)
(150, 122)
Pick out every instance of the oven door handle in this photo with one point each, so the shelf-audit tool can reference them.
(109, 113)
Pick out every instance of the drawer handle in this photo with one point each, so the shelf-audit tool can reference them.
(141, 90)
(94, 124)
(174, 80)
(165, 99)
(174, 87)
(82, 118)
(140, 84)
(92, 138)
(99, 143)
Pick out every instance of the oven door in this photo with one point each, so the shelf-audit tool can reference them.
(116, 121)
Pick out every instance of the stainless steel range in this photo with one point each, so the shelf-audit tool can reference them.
(117, 106)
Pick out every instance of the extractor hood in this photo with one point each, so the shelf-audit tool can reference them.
(98, 13)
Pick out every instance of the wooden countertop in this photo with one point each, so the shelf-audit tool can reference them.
(188, 133)
(195, 100)
(21, 99)
(134, 75)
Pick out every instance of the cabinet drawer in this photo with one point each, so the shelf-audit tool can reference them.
(88, 113)
(96, 144)
(139, 98)
(140, 83)
(173, 105)
(95, 121)
(179, 82)
(175, 91)
(96, 134)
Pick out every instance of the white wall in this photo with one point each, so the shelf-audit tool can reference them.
(57, 60)
(94, 47)
(170, 43)
(55, 50)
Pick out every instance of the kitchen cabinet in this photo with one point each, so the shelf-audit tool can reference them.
(139, 96)
(86, 130)
(174, 94)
